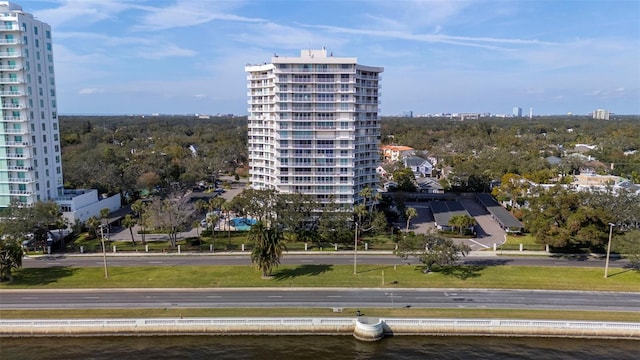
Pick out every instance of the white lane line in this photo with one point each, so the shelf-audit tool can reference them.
(475, 242)
(307, 261)
(214, 297)
(334, 296)
(91, 297)
(275, 296)
(29, 298)
(156, 262)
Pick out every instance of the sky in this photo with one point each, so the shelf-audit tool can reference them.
(440, 56)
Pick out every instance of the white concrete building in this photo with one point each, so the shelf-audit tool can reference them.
(30, 157)
(313, 126)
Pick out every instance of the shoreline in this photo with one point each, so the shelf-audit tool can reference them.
(374, 328)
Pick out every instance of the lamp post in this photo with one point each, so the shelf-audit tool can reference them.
(355, 251)
(104, 252)
(606, 262)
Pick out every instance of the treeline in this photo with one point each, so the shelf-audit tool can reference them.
(130, 154)
(481, 151)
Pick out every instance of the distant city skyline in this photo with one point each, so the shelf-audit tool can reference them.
(188, 56)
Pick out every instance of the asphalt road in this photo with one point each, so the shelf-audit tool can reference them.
(319, 298)
(346, 259)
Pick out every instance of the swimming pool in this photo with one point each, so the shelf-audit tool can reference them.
(242, 224)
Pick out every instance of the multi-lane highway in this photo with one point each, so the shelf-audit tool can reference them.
(345, 259)
(319, 298)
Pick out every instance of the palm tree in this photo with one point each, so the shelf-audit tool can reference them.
(267, 248)
(129, 222)
(93, 223)
(410, 213)
(226, 207)
(140, 208)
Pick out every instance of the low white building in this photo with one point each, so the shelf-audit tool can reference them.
(81, 204)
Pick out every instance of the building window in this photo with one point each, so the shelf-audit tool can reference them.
(44, 138)
(57, 148)
(25, 40)
(57, 169)
(47, 34)
(49, 46)
(35, 30)
(37, 42)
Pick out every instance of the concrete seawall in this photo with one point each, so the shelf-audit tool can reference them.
(318, 326)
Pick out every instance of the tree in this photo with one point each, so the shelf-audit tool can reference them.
(628, 245)
(267, 248)
(168, 216)
(129, 222)
(10, 257)
(461, 222)
(431, 249)
(409, 214)
(141, 209)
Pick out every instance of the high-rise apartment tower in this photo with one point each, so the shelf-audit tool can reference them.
(30, 157)
(313, 126)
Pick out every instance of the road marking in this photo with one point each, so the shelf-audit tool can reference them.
(475, 242)
(334, 296)
(275, 296)
(306, 261)
(91, 297)
(29, 298)
(155, 262)
(214, 297)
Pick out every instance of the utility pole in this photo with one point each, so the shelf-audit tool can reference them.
(606, 262)
(355, 251)
(104, 253)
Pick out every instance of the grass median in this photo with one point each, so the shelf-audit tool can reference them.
(369, 276)
(399, 312)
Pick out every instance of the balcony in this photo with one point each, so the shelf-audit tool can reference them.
(19, 168)
(10, 54)
(13, 119)
(11, 27)
(9, 41)
(10, 67)
(14, 156)
(13, 131)
(20, 192)
(11, 93)
(17, 181)
(8, 80)
(12, 106)
(17, 143)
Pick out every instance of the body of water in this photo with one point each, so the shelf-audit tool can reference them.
(315, 347)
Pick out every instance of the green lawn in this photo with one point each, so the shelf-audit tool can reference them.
(527, 240)
(321, 312)
(404, 276)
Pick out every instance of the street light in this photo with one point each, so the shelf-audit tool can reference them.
(104, 251)
(355, 251)
(606, 262)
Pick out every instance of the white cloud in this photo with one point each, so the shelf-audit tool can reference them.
(165, 51)
(90, 91)
(186, 13)
(82, 11)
